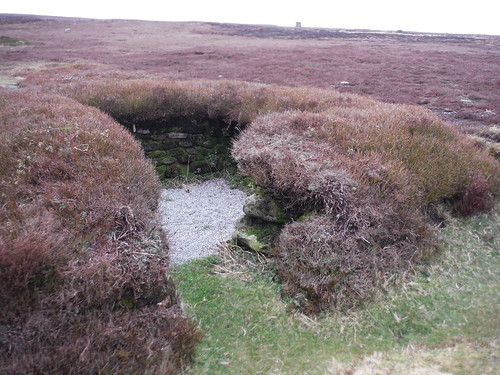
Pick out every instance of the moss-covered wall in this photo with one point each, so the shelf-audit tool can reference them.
(184, 146)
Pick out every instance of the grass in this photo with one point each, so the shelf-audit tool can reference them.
(445, 318)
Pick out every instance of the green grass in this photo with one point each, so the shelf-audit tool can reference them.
(445, 318)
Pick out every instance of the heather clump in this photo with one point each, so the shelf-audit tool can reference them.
(146, 100)
(82, 263)
(358, 179)
(361, 172)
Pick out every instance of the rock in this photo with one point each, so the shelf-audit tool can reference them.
(177, 135)
(186, 143)
(168, 160)
(254, 235)
(265, 208)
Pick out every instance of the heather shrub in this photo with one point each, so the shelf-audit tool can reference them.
(140, 100)
(476, 198)
(358, 173)
(357, 180)
(82, 263)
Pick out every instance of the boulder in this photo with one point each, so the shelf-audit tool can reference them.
(255, 234)
(265, 208)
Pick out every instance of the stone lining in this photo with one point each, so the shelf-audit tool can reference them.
(183, 146)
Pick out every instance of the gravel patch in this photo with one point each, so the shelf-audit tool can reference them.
(197, 218)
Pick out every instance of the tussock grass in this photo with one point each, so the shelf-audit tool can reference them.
(444, 320)
(82, 262)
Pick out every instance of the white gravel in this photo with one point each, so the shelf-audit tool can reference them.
(197, 218)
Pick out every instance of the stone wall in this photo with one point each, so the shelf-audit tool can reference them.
(185, 146)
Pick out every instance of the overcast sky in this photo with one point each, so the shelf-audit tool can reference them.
(442, 16)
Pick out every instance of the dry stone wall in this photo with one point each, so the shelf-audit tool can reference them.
(186, 146)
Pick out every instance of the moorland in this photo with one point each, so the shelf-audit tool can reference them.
(381, 146)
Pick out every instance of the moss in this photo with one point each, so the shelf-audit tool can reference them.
(214, 141)
(180, 155)
(265, 232)
(157, 154)
(161, 170)
(127, 303)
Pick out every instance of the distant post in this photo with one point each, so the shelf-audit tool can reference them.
(298, 24)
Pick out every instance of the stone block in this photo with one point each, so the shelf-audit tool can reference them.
(186, 143)
(177, 135)
(265, 208)
(255, 235)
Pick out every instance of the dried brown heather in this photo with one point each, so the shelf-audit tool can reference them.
(361, 171)
(360, 176)
(82, 266)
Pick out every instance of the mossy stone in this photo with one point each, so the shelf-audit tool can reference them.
(200, 167)
(157, 154)
(169, 143)
(255, 235)
(179, 154)
(150, 145)
(173, 170)
(168, 160)
(264, 207)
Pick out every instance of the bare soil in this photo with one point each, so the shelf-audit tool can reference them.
(456, 76)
